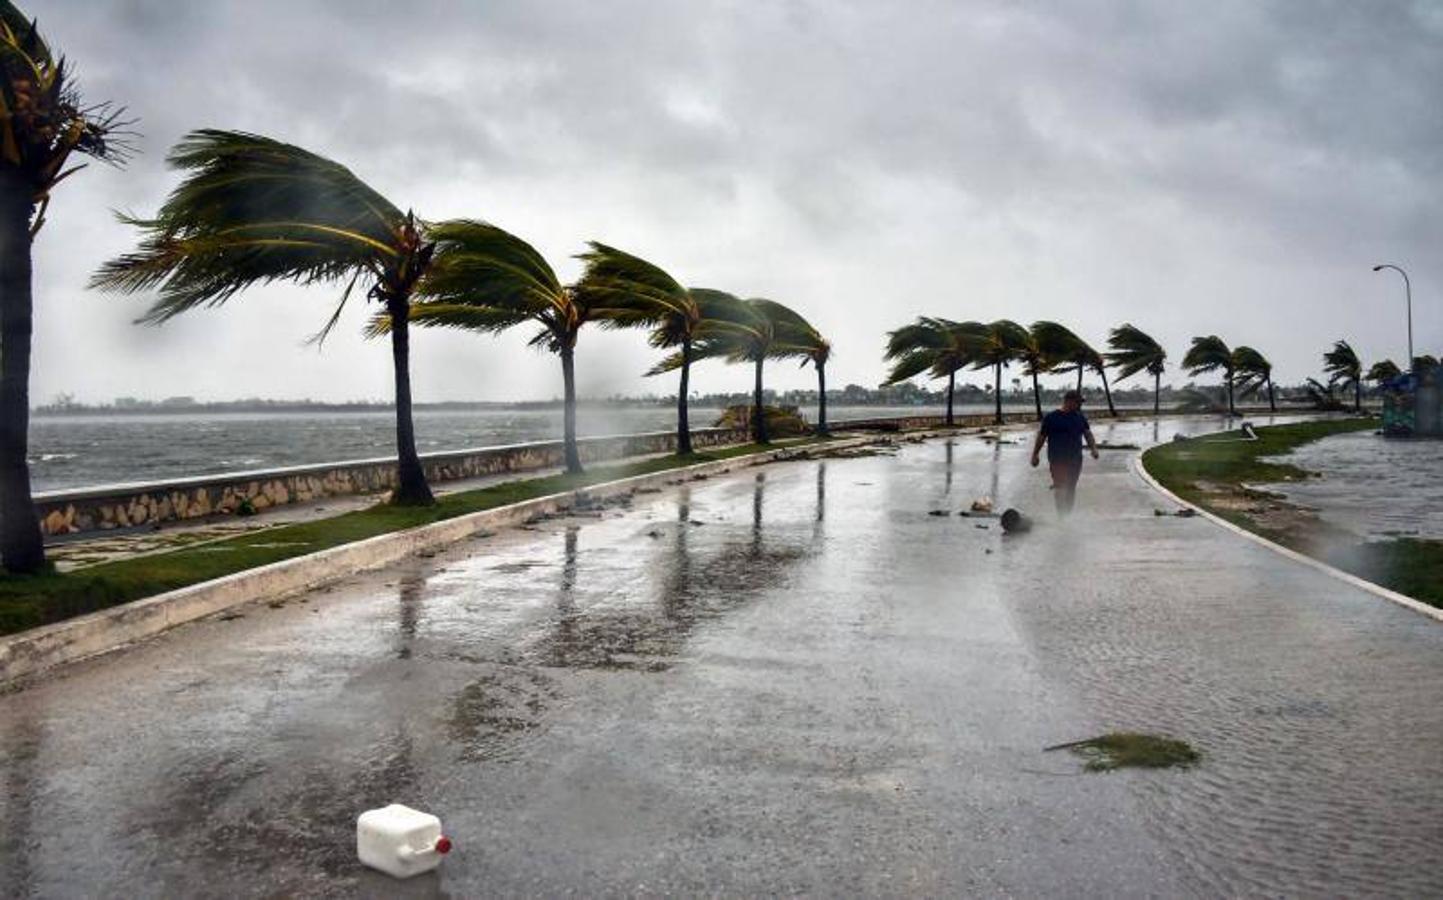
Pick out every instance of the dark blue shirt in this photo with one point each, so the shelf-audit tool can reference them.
(1064, 432)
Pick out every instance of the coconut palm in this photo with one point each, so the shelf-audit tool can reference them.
(1383, 371)
(758, 329)
(640, 293)
(253, 210)
(1063, 348)
(1211, 354)
(1035, 362)
(939, 347)
(44, 124)
(486, 279)
(814, 350)
(1132, 351)
(1344, 368)
(1254, 372)
(996, 344)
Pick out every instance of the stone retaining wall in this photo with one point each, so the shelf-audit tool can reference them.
(133, 505)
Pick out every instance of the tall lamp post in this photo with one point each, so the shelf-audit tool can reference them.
(1409, 289)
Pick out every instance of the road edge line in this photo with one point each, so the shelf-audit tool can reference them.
(1370, 587)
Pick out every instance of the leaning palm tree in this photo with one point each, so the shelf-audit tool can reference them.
(486, 279)
(1344, 368)
(995, 345)
(253, 210)
(43, 124)
(1035, 362)
(939, 347)
(637, 293)
(1254, 372)
(1211, 354)
(1383, 371)
(1064, 349)
(1132, 351)
(763, 329)
(816, 351)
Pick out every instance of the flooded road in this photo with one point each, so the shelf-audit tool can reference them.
(788, 680)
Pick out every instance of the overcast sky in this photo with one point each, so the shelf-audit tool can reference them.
(1225, 167)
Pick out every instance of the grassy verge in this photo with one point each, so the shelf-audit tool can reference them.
(29, 601)
(1214, 473)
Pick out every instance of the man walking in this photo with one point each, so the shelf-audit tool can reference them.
(1063, 431)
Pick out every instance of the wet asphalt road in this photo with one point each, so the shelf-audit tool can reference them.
(788, 680)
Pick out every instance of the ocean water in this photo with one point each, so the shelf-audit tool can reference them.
(84, 451)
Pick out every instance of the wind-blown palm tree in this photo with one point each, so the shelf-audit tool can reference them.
(1211, 354)
(937, 346)
(1383, 371)
(253, 210)
(765, 330)
(1344, 368)
(486, 279)
(43, 124)
(640, 293)
(1035, 362)
(1063, 347)
(814, 350)
(1254, 372)
(1132, 351)
(996, 344)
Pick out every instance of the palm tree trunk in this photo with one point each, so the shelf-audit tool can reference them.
(822, 398)
(951, 389)
(683, 418)
(1107, 392)
(1079, 378)
(21, 547)
(1036, 395)
(568, 413)
(759, 415)
(997, 391)
(1156, 393)
(1272, 401)
(1232, 408)
(411, 487)
(1357, 394)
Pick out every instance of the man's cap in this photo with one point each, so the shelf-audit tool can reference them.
(1073, 395)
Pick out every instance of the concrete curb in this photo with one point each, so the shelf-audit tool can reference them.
(1376, 590)
(41, 649)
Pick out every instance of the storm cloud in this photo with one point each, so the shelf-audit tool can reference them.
(1232, 168)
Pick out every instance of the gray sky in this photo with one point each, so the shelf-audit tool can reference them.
(1229, 167)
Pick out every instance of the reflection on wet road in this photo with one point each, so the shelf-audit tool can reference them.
(790, 679)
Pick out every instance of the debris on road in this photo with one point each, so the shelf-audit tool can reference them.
(982, 505)
(400, 841)
(1183, 513)
(1014, 522)
(1128, 749)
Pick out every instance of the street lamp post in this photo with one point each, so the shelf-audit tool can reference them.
(1408, 288)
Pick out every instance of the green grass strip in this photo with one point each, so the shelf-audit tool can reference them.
(31, 600)
(1203, 470)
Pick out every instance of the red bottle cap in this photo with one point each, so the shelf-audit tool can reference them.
(443, 844)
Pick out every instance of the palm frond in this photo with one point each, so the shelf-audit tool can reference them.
(1133, 350)
(1208, 354)
(1342, 364)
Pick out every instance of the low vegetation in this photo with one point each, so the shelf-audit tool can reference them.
(1220, 474)
(27, 601)
(1131, 750)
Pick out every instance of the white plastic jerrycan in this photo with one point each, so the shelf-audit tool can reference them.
(400, 841)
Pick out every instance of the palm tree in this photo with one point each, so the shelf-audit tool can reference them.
(1344, 367)
(937, 346)
(43, 123)
(255, 210)
(1211, 354)
(640, 293)
(764, 329)
(487, 279)
(1061, 346)
(996, 344)
(1382, 371)
(1035, 362)
(1133, 351)
(816, 350)
(1255, 372)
